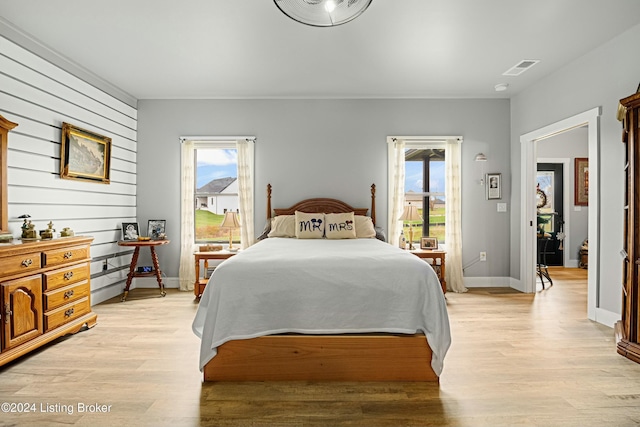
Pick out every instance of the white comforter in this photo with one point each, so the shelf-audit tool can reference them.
(320, 286)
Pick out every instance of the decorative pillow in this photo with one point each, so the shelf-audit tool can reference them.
(283, 226)
(340, 226)
(309, 225)
(364, 227)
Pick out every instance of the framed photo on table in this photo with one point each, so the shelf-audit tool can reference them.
(494, 186)
(156, 229)
(130, 231)
(84, 155)
(429, 243)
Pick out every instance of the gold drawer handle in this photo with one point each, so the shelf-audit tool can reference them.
(27, 262)
(68, 294)
(68, 255)
(68, 275)
(68, 313)
(7, 312)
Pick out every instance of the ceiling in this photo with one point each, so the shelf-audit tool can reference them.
(154, 49)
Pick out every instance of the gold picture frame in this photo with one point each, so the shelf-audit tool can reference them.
(84, 155)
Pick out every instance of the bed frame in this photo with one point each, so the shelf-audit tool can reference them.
(346, 357)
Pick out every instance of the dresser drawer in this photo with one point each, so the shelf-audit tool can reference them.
(66, 313)
(64, 256)
(66, 276)
(62, 296)
(17, 264)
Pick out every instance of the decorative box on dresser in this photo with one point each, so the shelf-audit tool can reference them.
(46, 292)
(627, 329)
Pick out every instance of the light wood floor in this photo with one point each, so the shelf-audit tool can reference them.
(516, 360)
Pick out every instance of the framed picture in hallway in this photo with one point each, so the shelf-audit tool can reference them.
(581, 182)
(494, 186)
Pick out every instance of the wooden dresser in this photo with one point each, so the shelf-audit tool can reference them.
(46, 292)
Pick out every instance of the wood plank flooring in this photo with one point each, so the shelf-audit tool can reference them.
(516, 360)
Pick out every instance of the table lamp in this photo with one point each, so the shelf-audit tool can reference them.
(411, 214)
(230, 221)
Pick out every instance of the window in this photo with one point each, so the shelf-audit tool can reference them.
(425, 188)
(216, 191)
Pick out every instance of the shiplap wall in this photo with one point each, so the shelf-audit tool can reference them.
(40, 96)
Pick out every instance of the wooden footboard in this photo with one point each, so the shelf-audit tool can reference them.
(370, 357)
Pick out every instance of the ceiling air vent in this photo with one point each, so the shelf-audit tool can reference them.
(521, 67)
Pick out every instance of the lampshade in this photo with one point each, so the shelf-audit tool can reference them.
(480, 157)
(410, 213)
(230, 220)
(322, 13)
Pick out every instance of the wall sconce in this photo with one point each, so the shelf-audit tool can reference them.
(480, 157)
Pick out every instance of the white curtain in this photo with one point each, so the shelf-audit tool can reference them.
(453, 217)
(396, 188)
(187, 246)
(245, 183)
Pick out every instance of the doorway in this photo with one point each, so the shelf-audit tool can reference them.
(550, 212)
(528, 213)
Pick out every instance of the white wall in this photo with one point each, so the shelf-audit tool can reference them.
(598, 79)
(39, 96)
(329, 148)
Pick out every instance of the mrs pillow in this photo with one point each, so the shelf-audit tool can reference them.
(309, 225)
(283, 226)
(340, 226)
(364, 227)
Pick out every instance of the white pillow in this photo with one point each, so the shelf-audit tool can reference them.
(309, 225)
(364, 227)
(340, 226)
(283, 226)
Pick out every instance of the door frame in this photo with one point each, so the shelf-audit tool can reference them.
(565, 203)
(528, 161)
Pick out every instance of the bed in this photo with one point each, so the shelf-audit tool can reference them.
(318, 309)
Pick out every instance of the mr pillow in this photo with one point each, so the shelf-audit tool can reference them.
(309, 225)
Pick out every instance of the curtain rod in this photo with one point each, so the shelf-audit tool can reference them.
(216, 138)
(418, 139)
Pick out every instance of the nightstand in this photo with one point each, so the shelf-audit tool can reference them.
(437, 262)
(201, 283)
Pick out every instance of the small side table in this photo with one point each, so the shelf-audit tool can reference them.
(201, 283)
(137, 244)
(437, 263)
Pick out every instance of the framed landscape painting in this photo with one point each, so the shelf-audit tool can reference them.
(84, 155)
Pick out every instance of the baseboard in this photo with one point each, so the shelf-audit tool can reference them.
(607, 318)
(487, 282)
(152, 282)
(106, 293)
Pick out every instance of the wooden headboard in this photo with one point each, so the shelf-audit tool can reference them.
(322, 204)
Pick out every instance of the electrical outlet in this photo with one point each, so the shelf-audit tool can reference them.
(483, 256)
(105, 265)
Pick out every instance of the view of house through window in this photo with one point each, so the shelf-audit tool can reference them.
(425, 188)
(216, 193)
